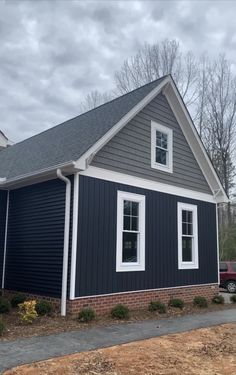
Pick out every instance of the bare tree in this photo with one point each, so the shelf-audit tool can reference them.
(220, 119)
(94, 99)
(157, 60)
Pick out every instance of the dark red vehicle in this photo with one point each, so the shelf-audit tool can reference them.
(228, 276)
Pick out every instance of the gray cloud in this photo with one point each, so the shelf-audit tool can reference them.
(53, 53)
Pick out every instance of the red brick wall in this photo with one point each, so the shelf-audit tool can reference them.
(54, 301)
(140, 300)
(134, 300)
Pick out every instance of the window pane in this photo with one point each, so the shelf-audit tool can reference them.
(164, 141)
(127, 207)
(187, 249)
(161, 156)
(234, 267)
(135, 208)
(190, 229)
(158, 138)
(134, 223)
(184, 228)
(184, 216)
(189, 216)
(223, 267)
(130, 246)
(127, 223)
(161, 140)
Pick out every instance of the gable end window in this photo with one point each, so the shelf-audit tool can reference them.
(161, 147)
(130, 245)
(187, 236)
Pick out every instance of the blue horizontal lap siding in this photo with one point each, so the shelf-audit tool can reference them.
(3, 206)
(96, 257)
(35, 238)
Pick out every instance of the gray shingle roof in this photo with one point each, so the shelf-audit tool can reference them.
(69, 140)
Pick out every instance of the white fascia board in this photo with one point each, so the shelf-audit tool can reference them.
(107, 175)
(87, 157)
(185, 122)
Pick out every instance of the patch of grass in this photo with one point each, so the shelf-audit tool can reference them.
(120, 312)
(176, 302)
(218, 299)
(157, 306)
(17, 299)
(4, 305)
(233, 298)
(200, 301)
(86, 315)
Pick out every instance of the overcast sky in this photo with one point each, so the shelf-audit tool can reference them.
(55, 52)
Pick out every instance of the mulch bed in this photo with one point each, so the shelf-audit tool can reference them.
(47, 325)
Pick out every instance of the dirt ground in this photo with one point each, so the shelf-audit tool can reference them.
(209, 351)
(53, 324)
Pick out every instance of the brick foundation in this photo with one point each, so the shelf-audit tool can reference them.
(54, 301)
(140, 300)
(134, 300)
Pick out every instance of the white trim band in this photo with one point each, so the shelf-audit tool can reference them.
(121, 178)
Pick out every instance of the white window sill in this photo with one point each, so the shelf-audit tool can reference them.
(163, 168)
(130, 267)
(188, 266)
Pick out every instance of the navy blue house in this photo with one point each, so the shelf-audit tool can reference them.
(118, 204)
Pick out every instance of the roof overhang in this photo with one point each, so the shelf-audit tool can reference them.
(37, 176)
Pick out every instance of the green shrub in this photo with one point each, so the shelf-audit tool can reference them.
(157, 306)
(176, 302)
(200, 301)
(43, 307)
(2, 327)
(86, 315)
(233, 298)
(120, 312)
(17, 299)
(218, 299)
(4, 305)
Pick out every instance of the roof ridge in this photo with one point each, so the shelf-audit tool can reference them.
(84, 113)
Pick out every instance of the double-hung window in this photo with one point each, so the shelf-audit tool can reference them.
(187, 236)
(130, 251)
(161, 147)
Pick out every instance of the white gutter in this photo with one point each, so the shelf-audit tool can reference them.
(5, 242)
(66, 241)
(74, 235)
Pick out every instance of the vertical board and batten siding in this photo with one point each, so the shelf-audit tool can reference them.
(35, 238)
(96, 255)
(3, 206)
(129, 151)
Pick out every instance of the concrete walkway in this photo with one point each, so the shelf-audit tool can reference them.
(13, 353)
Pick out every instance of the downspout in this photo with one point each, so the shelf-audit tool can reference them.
(66, 241)
(5, 242)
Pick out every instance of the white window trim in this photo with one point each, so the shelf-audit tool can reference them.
(140, 265)
(158, 127)
(194, 264)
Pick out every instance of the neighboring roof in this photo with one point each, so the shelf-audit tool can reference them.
(69, 140)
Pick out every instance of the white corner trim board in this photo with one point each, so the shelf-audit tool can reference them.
(74, 235)
(66, 241)
(5, 242)
(121, 178)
